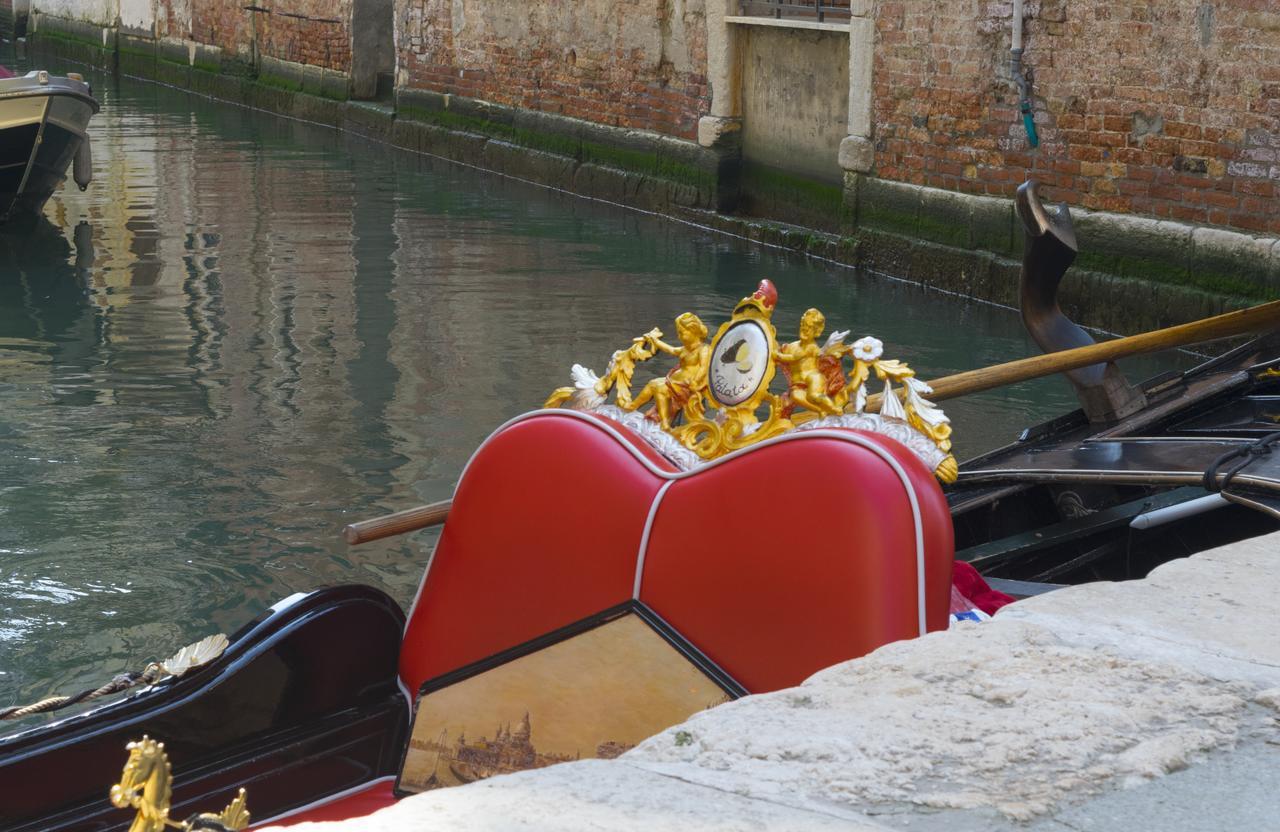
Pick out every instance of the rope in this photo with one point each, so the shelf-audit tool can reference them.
(1246, 453)
(55, 703)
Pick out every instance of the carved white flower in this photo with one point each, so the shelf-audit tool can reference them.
(868, 348)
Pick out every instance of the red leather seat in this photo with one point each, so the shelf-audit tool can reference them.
(776, 561)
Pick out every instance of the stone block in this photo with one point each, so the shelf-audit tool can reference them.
(715, 130)
(1133, 246)
(497, 114)
(548, 133)
(173, 51)
(884, 252)
(686, 154)
(530, 165)
(336, 85)
(605, 183)
(317, 109)
(1233, 263)
(891, 206)
(206, 57)
(313, 80)
(175, 75)
(857, 154)
(953, 270)
(945, 217)
(993, 224)
(422, 100)
(285, 74)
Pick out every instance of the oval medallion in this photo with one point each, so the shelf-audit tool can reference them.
(739, 363)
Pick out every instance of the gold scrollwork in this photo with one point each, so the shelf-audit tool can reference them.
(731, 376)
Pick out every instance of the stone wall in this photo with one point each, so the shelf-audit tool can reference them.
(100, 12)
(795, 99)
(312, 32)
(1168, 108)
(625, 63)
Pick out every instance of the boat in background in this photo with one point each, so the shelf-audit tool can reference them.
(44, 120)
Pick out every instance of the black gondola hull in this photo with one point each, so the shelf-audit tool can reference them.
(303, 703)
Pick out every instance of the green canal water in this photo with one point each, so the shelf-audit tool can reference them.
(249, 332)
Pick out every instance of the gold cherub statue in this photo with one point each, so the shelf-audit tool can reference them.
(684, 387)
(732, 375)
(815, 375)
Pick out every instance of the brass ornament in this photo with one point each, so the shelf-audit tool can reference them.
(731, 376)
(146, 786)
(194, 655)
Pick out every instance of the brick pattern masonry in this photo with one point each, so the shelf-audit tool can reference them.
(314, 32)
(1167, 108)
(633, 63)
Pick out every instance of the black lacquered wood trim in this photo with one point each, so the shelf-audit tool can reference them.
(304, 703)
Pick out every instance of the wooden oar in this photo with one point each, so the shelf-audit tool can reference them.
(388, 525)
(1241, 322)
(1257, 319)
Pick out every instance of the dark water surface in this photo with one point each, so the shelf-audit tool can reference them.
(250, 331)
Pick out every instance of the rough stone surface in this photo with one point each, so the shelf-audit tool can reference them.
(712, 130)
(1168, 109)
(795, 99)
(592, 796)
(857, 154)
(1147, 704)
(638, 63)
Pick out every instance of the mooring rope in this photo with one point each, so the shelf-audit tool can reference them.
(1247, 454)
(191, 656)
(119, 683)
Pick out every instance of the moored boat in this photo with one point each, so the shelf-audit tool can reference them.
(44, 121)
(729, 540)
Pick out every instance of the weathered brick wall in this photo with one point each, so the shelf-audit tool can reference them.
(174, 19)
(624, 63)
(314, 32)
(1169, 108)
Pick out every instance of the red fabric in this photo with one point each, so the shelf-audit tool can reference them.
(365, 802)
(797, 555)
(5, 73)
(973, 587)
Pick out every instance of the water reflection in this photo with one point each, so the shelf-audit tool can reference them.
(250, 331)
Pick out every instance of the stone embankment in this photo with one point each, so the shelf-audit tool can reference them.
(1151, 704)
(888, 138)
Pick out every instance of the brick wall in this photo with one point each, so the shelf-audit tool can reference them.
(623, 63)
(1169, 108)
(314, 32)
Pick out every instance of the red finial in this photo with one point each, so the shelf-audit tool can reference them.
(767, 293)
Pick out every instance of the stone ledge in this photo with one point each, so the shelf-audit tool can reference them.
(1098, 704)
(784, 23)
(1231, 264)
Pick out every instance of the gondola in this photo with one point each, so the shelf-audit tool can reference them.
(740, 552)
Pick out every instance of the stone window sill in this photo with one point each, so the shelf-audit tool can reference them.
(788, 24)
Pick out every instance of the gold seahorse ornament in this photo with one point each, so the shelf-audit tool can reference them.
(146, 785)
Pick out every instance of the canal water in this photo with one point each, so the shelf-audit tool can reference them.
(250, 331)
